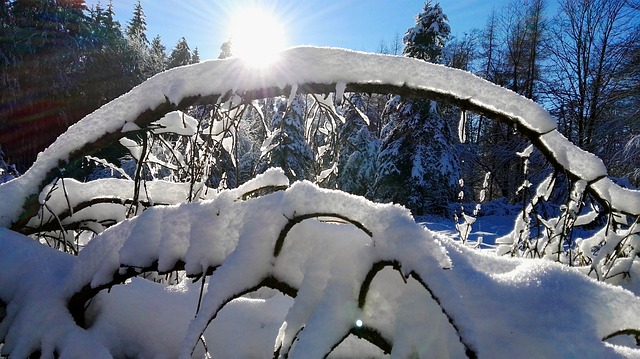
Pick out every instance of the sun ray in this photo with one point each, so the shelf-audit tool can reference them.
(257, 36)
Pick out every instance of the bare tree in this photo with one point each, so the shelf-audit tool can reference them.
(593, 46)
(523, 27)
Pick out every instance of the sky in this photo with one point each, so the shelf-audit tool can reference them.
(353, 24)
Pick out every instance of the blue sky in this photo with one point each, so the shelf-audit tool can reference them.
(357, 25)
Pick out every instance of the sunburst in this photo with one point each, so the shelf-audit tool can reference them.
(257, 36)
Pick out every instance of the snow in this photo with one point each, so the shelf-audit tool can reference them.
(176, 122)
(582, 164)
(530, 305)
(625, 200)
(434, 297)
(297, 66)
(106, 196)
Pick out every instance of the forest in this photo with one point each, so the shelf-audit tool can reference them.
(134, 179)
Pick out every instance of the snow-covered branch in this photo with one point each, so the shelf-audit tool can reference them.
(308, 70)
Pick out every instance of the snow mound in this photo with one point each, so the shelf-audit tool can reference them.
(355, 276)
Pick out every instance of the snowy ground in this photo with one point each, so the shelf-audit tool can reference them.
(431, 297)
(350, 267)
(484, 231)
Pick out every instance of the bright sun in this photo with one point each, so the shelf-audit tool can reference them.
(257, 36)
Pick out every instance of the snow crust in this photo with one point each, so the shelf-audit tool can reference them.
(531, 306)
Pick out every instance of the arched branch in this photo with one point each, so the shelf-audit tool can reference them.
(631, 332)
(377, 267)
(369, 334)
(67, 213)
(269, 281)
(262, 191)
(299, 218)
(361, 73)
(78, 302)
(396, 265)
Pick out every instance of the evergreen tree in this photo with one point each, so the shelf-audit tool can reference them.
(426, 39)
(138, 57)
(106, 22)
(137, 27)
(195, 57)
(225, 50)
(251, 135)
(108, 71)
(157, 55)
(417, 165)
(358, 151)
(180, 55)
(290, 150)
(41, 54)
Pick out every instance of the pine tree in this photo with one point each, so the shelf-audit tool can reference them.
(108, 20)
(251, 135)
(180, 55)
(417, 165)
(137, 57)
(225, 50)
(358, 151)
(43, 42)
(195, 57)
(109, 69)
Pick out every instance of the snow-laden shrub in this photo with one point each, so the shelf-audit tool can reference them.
(580, 233)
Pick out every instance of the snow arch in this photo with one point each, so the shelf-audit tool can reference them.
(311, 70)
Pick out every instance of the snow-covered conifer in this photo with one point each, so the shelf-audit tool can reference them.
(180, 55)
(358, 151)
(137, 27)
(417, 165)
(426, 39)
(290, 151)
(158, 56)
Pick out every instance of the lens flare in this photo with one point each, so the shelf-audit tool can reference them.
(257, 36)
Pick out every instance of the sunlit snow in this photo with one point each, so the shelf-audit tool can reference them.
(294, 268)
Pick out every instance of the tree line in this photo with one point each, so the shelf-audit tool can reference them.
(60, 60)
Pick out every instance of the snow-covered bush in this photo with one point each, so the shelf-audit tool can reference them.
(608, 248)
(294, 270)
